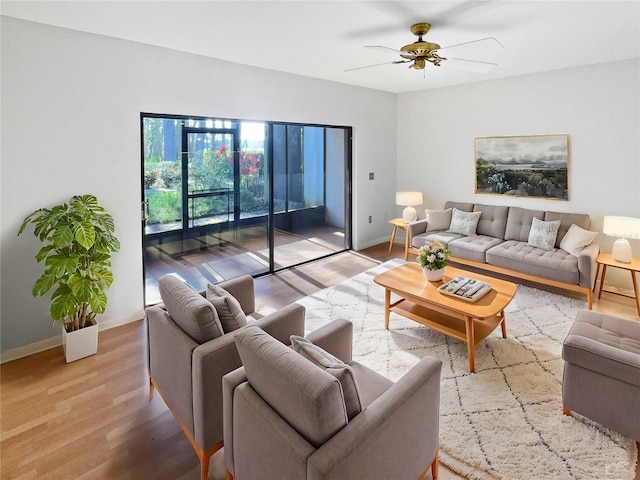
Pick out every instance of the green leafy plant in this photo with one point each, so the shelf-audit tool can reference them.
(78, 240)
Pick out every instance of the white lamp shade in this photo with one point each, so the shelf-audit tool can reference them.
(622, 227)
(409, 199)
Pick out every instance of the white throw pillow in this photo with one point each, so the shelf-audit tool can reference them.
(334, 366)
(576, 239)
(543, 234)
(228, 308)
(464, 223)
(438, 219)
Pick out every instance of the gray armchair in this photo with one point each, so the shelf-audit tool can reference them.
(188, 373)
(286, 418)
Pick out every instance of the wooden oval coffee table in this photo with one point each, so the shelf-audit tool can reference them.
(422, 302)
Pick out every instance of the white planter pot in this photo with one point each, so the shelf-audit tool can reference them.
(433, 275)
(81, 343)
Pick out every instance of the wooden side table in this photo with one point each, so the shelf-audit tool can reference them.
(399, 223)
(606, 260)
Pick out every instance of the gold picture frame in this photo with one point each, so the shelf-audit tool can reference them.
(525, 166)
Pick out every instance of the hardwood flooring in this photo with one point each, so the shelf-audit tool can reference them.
(92, 419)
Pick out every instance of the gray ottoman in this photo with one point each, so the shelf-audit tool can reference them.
(602, 371)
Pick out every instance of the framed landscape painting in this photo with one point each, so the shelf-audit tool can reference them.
(526, 166)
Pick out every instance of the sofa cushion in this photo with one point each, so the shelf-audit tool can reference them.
(306, 396)
(228, 308)
(464, 223)
(438, 219)
(519, 223)
(543, 234)
(335, 367)
(193, 313)
(519, 256)
(605, 344)
(566, 220)
(576, 239)
(443, 236)
(493, 220)
(473, 248)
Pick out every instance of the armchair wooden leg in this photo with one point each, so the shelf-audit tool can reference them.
(150, 389)
(566, 411)
(203, 455)
(229, 476)
(204, 467)
(434, 466)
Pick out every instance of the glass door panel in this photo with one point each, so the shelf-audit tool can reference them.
(309, 212)
(162, 165)
(209, 178)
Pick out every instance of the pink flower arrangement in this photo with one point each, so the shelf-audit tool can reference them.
(433, 256)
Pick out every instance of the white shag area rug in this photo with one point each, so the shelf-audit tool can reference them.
(505, 421)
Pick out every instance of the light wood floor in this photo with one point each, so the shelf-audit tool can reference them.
(92, 419)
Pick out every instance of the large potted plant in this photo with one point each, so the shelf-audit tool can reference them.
(78, 240)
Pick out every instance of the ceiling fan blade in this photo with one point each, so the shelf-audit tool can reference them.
(488, 42)
(383, 49)
(375, 65)
(471, 65)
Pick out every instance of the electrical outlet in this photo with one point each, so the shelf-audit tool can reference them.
(370, 219)
(371, 178)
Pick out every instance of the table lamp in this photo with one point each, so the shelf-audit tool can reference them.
(409, 200)
(623, 227)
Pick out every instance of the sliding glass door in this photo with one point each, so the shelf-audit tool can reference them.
(224, 198)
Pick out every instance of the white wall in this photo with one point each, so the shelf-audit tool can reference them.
(70, 125)
(598, 106)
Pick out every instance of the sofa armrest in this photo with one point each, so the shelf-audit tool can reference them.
(170, 351)
(243, 290)
(587, 265)
(229, 383)
(336, 338)
(405, 416)
(283, 323)
(416, 228)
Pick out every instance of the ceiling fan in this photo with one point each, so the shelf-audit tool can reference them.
(421, 53)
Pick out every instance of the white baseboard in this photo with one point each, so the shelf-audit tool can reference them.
(35, 347)
(53, 342)
(371, 243)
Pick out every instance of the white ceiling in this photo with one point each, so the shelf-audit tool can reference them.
(323, 38)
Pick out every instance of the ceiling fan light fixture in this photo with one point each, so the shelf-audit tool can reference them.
(418, 64)
(420, 53)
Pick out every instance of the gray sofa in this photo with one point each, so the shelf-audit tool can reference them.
(500, 245)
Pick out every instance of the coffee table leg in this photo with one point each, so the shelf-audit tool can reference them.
(503, 324)
(471, 343)
(387, 303)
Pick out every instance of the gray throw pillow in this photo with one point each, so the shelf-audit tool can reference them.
(438, 219)
(464, 223)
(228, 308)
(335, 367)
(543, 234)
(193, 313)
